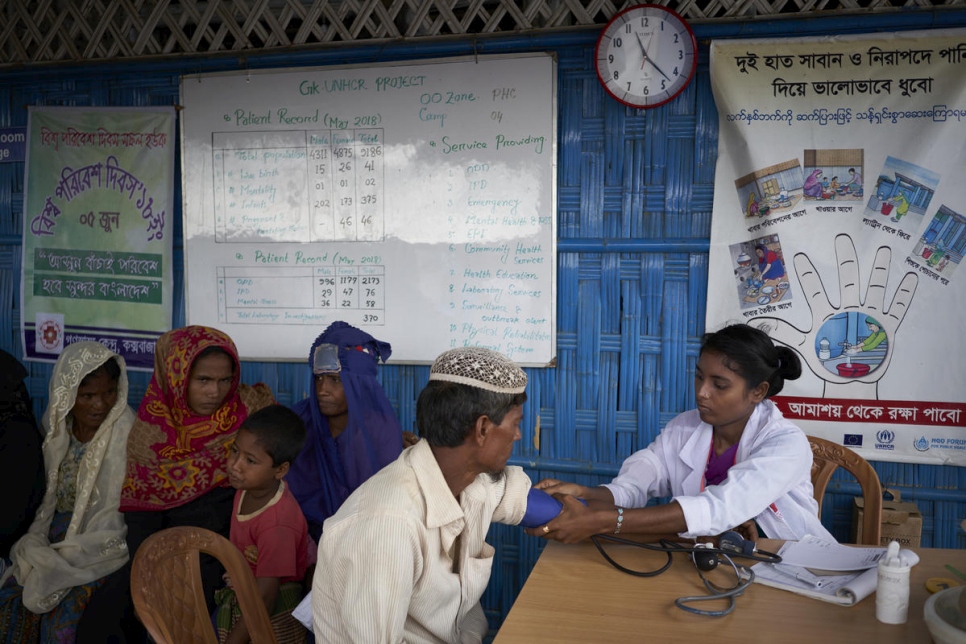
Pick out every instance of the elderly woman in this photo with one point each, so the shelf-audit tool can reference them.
(353, 431)
(77, 537)
(21, 459)
(177, 462)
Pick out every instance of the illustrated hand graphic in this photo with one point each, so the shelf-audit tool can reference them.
(803, 340)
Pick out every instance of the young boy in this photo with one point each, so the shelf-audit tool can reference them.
(266, 523)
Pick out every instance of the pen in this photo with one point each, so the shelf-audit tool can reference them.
(950, 568)
(802, 575)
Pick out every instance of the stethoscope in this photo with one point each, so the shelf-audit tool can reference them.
(706, 558)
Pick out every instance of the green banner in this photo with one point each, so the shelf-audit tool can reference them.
(98, 229)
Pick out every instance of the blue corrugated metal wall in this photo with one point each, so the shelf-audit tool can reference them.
(635, 190)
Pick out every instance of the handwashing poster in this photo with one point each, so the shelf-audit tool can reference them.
(839, 225)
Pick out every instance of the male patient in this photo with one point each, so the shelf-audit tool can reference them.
(405, 557)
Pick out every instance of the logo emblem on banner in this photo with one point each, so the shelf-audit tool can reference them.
(50, 333)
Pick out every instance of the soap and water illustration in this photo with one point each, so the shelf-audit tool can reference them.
(851, 344)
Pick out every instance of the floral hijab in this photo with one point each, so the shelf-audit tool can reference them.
(329, 469)
(174, 455)
(94, 545)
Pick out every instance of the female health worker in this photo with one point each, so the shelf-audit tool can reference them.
(733, 459)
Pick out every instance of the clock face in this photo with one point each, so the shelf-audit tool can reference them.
(646, 55)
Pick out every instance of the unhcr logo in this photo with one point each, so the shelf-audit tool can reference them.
(884, 439)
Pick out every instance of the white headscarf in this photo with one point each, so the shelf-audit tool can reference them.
(95, 544)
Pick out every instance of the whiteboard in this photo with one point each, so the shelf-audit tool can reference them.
(414, 200)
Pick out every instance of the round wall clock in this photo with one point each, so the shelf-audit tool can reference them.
(646, 55)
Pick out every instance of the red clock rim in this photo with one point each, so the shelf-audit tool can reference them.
(694, 62)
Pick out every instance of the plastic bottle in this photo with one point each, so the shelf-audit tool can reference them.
(892, 591)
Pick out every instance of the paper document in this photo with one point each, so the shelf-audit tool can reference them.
(303, 612)
(847, 590)
(812, 552)
(823, 570)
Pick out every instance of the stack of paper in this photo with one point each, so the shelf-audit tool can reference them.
(824, 570)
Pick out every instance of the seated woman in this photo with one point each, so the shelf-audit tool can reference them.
(77, 538)
(352, 429)
(21, 459)
(177, 461)
(733, 459)
(770, 265)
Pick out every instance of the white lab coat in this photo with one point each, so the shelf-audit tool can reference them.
(770, 480)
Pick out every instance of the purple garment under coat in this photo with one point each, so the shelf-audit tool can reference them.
(718, 466)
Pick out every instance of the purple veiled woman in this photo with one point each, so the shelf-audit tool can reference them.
(813, 187)
(352, 430)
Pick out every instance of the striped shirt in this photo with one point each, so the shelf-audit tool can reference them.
(404, 561)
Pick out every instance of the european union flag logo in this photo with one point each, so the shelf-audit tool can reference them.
(852, 440)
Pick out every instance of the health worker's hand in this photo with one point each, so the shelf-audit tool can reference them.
(748, 531)
(575, 522)
(555, 486)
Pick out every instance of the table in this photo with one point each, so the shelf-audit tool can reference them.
(574, 595)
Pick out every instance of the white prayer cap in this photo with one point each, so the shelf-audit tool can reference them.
(481, 368)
